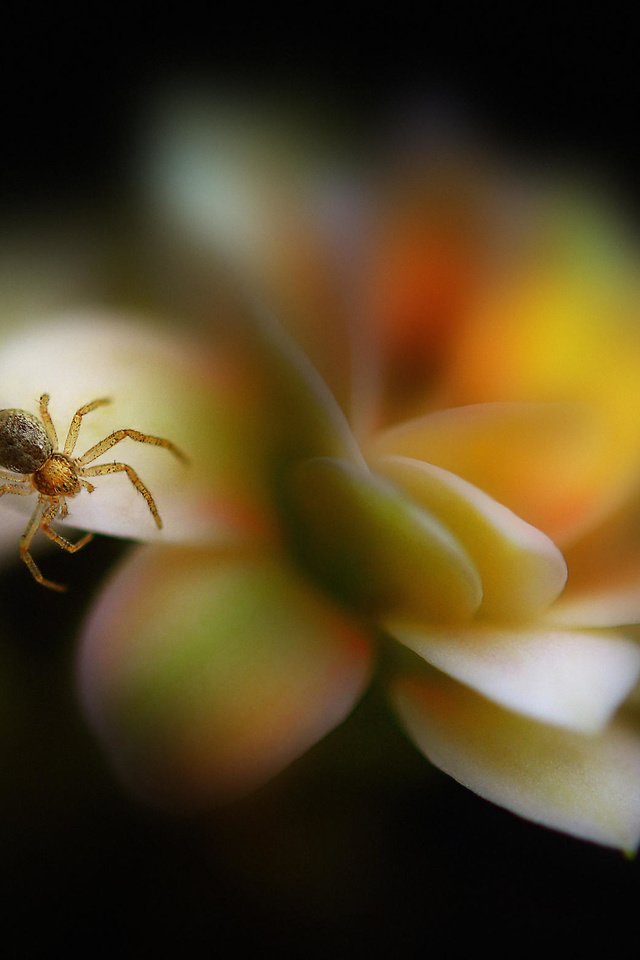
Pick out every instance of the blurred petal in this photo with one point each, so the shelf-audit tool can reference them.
(160, 384)
(522, 571)
(246, 186)
(546, 462)
(563, 323)
(432, 250)
(376, 548)
(586, 786)
(206, 675)
(570, 679)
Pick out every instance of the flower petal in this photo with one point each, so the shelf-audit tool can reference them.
(563, 323)
(585, 786)
(206, 675)
(570, 679)
(240, 186)
(546, 462)
(609, 606)
(604, 565)
(376, 549)
(160, 384)
(522, 571)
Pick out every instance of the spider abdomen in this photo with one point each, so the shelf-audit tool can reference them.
(24, 444)
(57, 477)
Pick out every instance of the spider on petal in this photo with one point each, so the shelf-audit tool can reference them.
(29, 446)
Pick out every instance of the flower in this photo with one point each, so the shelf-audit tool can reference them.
(429, 496)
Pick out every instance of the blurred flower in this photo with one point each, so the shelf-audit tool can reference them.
(471, 438)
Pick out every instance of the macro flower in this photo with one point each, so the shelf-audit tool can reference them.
(426, 442)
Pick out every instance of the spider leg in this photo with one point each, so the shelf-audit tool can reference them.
(47, 518)
(104, 468)
(47, 421)
(74, 429)
(94, 452)
(85, 483)
(15, 488)
(33, 526)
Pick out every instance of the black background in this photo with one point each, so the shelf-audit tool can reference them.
(353, 848)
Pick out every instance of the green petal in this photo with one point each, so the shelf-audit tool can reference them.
(206, 675)
(376, 549)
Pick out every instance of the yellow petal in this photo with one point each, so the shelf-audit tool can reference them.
(585, 786)
(567, 678)
(546, 462)
(205, 675)
(376, 548)
(522, 571)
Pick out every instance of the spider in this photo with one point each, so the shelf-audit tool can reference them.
(29, 446)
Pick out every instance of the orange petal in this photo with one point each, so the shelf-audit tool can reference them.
(205, 675)
(548, 463)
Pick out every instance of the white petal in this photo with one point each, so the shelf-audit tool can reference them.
(585, 786)
(159, 384)
(571, 679)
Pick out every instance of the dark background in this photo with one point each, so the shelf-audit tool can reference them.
(360, 845)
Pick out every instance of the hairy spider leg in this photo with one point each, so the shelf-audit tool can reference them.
(74, 429)
(94, 452)
(47, 518)
(105, 468)
(43, 515)
(15, 488)
(45, 416)
(25, 542)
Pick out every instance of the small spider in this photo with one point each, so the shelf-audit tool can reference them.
(29, 446)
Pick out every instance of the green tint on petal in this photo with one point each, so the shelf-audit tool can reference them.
(206, 675)
(522, 571)
(376, 549)
(585, 786)
(568, 678)
(548, 462)
(303, 416)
